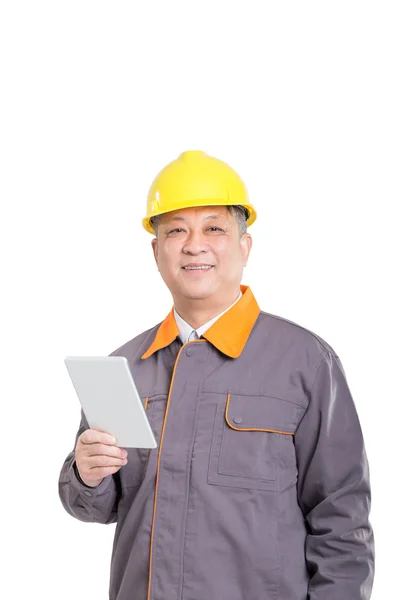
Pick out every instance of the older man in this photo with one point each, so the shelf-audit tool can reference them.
(259, 488)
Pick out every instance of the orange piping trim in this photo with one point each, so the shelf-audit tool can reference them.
(146, 403)
(159, 458)
(251, 428)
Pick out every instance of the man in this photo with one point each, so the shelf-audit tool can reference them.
(259, 488)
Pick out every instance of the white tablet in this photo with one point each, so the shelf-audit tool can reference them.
(110, 400)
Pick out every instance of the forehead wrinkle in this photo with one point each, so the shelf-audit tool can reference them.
(206, 217)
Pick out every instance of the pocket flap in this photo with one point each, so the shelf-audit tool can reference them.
(262, 413)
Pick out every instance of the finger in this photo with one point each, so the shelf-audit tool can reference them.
(105, 461)
(94, 436)
(101, 472)
(97, 449)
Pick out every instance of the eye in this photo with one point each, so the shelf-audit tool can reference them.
(177, 229)
(216, 228)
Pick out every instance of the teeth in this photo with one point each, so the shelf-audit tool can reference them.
(198, 268)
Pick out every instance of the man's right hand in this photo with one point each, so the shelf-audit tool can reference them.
(97, 456)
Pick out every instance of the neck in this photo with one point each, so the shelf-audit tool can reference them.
(198, 311)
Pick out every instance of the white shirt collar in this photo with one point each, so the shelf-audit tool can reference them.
(185, 329)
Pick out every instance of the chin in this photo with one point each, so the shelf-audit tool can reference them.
(196, 293)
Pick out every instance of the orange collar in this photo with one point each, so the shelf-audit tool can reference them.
(229, 333)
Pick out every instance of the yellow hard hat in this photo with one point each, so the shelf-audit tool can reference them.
(196, 179)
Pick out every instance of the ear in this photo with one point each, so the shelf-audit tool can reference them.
(246, 243)
(154, 245)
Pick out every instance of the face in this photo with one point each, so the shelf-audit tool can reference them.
(206, 237)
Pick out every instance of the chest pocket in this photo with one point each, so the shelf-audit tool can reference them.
(247, 441)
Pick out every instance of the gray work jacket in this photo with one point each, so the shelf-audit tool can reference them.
(259, 488)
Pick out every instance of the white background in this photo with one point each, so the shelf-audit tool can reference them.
(302, 99)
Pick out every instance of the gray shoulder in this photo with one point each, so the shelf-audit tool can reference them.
(291, 332)
(134, 348)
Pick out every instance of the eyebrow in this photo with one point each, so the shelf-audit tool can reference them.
(176, 218)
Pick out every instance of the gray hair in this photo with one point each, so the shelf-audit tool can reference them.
(239, 212)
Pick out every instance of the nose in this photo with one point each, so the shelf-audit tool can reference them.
(195, 243)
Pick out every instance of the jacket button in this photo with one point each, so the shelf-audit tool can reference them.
(189, 351)
(237, 419)
(87, 493)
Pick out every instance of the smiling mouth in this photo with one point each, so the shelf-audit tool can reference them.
(198, 268)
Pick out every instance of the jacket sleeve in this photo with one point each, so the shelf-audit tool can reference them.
(90, 504)
(334, 490)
